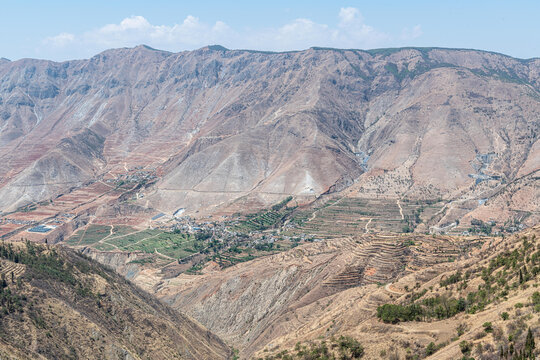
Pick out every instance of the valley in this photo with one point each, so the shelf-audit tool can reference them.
(381, 204)
(217, 131)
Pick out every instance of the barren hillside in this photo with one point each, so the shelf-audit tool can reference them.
(56, 304)
(212, 131)
(365, 289)
(266, 195)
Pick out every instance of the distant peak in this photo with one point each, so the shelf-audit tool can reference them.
(145, 47)
(4, 59)
(215, 48)
(132, 50)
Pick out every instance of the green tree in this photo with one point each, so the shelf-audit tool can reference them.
(430, 349)
(465, 347)
(529, 343)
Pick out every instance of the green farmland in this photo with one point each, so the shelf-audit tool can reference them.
(108, 238)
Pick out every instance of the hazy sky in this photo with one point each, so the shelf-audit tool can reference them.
(61, 30)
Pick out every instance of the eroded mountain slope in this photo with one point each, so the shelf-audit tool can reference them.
(227, 129)
(336, 287)
(58, 304)
(254, 303)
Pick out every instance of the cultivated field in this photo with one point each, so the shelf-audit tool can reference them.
(349, 216)
(170, 245)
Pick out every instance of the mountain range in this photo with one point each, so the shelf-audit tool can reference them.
(325, 203)
(222, 130)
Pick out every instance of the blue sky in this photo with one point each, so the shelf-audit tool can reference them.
(61, 30)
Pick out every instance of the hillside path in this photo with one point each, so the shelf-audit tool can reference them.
(400, 210)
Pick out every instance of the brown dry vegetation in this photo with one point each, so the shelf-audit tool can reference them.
(367, 143)
(61, 305)
(334, 287)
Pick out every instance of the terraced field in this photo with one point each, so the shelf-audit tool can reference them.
(350, 216)
(171, 245)
(127, 242)
(90, 235)
(238, 254)
(265, 219)
(259, 222)
(125, 238)
(9, 267)
(377, 259)
(103, 247)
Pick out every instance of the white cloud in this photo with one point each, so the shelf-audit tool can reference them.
(411, 34)
(137, 30)
(354, 32)
(349, 15)
(297, 34)
(59, 40)
(350, 32)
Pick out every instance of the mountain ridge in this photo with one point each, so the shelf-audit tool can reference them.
(273, 124)
(217, 47)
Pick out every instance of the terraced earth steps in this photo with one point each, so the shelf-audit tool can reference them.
(373, 301)
(388, 260)
(227, 260)
(348, 216)
(432, 252)
(374, 262)
(379, 258)
(9, 267)
(351, 277)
